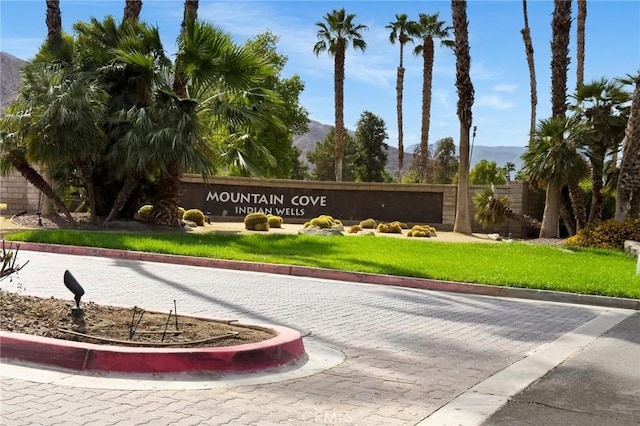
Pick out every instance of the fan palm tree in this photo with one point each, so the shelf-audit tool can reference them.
(601, 106)
(553, 161)
(334, 36)
(58, 119)
(628, 187)
(528, 47)
(401, 30)
(465, 89)
(428, 28)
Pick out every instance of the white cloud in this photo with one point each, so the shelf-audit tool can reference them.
(508, 88)
(494, 101)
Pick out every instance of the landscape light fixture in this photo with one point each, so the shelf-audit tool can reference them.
(74, 286)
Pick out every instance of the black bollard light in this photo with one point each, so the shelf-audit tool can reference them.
(74, 286)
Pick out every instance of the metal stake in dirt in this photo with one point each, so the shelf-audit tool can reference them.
(74, 286)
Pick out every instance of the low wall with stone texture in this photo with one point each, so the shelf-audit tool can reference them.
(18, 194)
(231, 198)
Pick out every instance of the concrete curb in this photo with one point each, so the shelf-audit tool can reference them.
(358, 277)
(284, 349)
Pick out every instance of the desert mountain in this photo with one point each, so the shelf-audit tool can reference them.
(10, 67)
(499, 154)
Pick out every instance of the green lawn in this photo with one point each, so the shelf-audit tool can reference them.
(601, 272)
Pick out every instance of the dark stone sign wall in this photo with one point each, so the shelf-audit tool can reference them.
(222, 199)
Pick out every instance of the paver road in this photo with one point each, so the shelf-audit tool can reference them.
(408, 351)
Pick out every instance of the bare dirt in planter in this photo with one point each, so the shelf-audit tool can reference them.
(48, 317)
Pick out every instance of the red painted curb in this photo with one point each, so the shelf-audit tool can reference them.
(285, 348)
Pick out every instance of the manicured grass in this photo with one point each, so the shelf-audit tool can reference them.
(601, 272)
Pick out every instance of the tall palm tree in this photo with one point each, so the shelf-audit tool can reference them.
(528, 47)
(560, 27)
(465, 89)
(401, 30)
(334, 36)
(582, 18)
(554, 160)
(132, 10)
(428, 28)
(628, 187)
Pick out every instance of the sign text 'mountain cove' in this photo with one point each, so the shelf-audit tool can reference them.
(344, 204)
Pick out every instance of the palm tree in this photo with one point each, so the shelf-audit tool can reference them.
(334, 36)
(582, 18)
(401, 30)
(492, 209)
(465, 89)
(508, 168)
(554, 160)
(132, 10)
(528, 47)
(428, 28)
(560, 26)
(628, 187)
(601, 105)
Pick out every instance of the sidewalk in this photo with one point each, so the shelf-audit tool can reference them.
(597, 386)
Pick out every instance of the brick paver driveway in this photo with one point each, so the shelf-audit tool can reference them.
(408, 351)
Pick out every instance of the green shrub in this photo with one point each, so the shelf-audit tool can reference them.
(609, 234)
(181, 212)
(274, 221)
(368, 224)
(144, 211)
(256, 221)
(402, 225)
(194, 215)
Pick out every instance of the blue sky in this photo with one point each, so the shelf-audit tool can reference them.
(499, 70)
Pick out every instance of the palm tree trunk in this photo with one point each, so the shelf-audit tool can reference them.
(528, 44)
(165, 208)
(582, 18)
(54, 23)
(132, 10)
(549, 226)
(629, 179)
(428, 53)
(597, 183)
(465, 89)
(35, 179)
(130, 183)
(577, 204)
(565, 214)
(561, 26)
(399, 86)
(179, 77)
(86, 171)
(338, 82)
